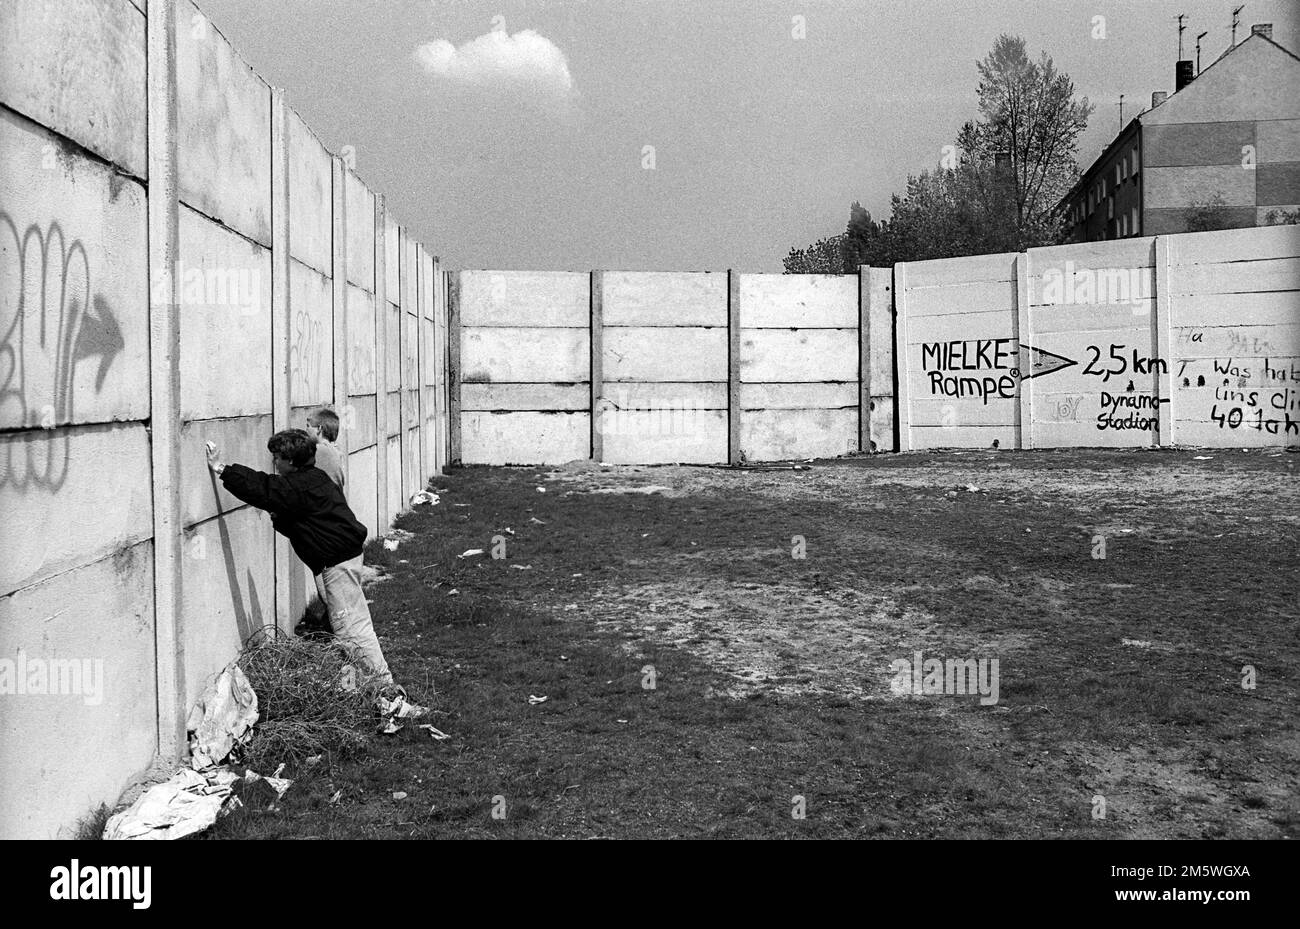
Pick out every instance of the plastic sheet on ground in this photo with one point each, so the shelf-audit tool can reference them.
(191, 801)
(185, 804)
(222, 718)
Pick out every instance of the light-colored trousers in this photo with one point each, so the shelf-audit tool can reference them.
(350, 617)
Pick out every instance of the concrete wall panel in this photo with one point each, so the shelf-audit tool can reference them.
(525, 298)
(665, 354)
(225, 321)
(361, 340)
(393, 357)
(242, 441)
(223, 130)
(410, 351)
(525, 397)
(59, 509)
(666, 395)
(360, 208)
(101, 617)
(524, 438)
(394, 413)
(950, 413)
(311, 337)
(74, 289)
(310, 197)
(363, 481)
(78, 67)
(798, 396)
(392, 253)
(415, 478)
(973, 297)
(665, 436)
(525, 355)
(1274, 274)
(394, 463)
(228, 574)
(779, 355)
(1267, 309)
(994, 325)
(664, 298)
(780, 435)
(927, 437)
(966, 270)
(364, 429)
(1234, 245)
(803, 301)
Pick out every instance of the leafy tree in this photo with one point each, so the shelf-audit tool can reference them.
(1029, 115)
(1208, 214)
(824, 257)
(1018, 161)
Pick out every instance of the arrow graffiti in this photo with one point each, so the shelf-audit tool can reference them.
(50, 320)
(1035, 362)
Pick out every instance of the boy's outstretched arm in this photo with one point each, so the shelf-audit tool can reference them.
(268, 492)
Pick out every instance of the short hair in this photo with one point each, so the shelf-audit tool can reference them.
(293, 445)
(327, 421)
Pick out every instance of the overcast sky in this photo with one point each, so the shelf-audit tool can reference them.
(511, 133)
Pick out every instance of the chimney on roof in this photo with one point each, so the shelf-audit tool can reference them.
(1184, 73)
(1264, 29)
(1159, 97)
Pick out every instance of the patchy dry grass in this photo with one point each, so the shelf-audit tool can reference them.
(1119, 677)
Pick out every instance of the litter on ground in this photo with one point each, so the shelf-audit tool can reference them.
(222, 719)
(533, 699)
(469, 552)
(424, 497)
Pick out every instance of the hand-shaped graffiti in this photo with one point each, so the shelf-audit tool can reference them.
(46, 329)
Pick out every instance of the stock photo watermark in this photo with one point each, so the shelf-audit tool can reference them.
(24, 676)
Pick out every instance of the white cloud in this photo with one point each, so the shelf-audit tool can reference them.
(523, 62)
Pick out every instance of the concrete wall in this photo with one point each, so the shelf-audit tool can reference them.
(265, 319)
(653, 367)
(1189, 339)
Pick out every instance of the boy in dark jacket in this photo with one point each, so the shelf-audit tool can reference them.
(308, 508)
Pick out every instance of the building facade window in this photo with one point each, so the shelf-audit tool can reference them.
(1134, 223)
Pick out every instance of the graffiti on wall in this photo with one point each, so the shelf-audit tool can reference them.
(1270, 405)
(307, 344)
(52, 324)
(993, 369)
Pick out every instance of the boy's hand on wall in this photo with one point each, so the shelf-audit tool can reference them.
(214, 458)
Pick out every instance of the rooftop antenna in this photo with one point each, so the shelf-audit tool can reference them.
(1121, 112)
(1181, 29)
(1198, 51)
(1236, 18)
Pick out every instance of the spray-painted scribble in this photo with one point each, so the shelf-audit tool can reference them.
(52, 322)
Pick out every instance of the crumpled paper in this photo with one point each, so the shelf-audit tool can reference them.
(424, 496)
(183, 805)
(190, 801)
(222, 718)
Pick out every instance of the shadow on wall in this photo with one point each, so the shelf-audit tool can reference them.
(43, 342)
(247, 621)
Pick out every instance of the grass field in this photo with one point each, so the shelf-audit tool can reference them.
(1120, 677)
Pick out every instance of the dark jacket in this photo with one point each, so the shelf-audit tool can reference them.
(307, 508)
